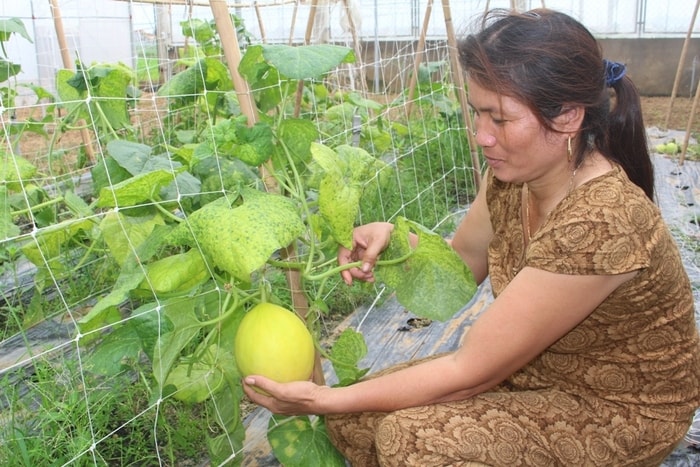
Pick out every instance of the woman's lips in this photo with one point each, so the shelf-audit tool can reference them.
(492, 162)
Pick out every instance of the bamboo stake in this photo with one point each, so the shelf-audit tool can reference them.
(68, 64)
(681, 61)
(232, 53)
(261, 25)
(686, 139)
(310, 22)
(294, 22)
(356, 46)
(458, 76)
(307, 40)
(419, 56)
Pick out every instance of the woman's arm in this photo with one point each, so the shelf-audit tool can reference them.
(473, 235)
(535, 310)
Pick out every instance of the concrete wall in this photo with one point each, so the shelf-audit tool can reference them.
(651, 63)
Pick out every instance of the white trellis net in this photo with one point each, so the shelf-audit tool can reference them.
(75, 136)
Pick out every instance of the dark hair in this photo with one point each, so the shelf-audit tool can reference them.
(548, 61)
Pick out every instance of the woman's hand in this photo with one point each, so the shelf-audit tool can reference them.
(368, 241)
(295, 398)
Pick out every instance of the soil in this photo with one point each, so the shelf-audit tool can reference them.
(655, 110)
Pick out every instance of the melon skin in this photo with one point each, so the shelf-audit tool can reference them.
(274, 342)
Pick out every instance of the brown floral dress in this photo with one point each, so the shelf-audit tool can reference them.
(619, 389)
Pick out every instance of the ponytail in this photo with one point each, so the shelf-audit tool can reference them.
(626, 138)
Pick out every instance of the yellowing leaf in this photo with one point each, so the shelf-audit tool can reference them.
(240, 240)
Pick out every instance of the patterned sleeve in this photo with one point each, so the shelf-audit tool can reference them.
(608, 228)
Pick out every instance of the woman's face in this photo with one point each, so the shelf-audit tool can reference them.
(515, 145)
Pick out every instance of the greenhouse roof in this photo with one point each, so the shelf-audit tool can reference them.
(230, 3)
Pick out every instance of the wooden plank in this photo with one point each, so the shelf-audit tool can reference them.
(393, 335)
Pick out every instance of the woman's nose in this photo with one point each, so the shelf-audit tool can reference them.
(483, 138)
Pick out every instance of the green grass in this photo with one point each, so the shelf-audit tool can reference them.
(70, 416)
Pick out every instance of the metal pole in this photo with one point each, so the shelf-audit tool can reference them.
(377, 52)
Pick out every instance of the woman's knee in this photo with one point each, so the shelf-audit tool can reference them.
(390, 436)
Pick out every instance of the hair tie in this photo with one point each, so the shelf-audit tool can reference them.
(614, 71)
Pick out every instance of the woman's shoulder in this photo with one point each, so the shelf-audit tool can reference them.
(613, 190)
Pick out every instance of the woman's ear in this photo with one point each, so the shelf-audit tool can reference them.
(570, 119)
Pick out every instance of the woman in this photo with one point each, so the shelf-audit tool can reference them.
(589, 353)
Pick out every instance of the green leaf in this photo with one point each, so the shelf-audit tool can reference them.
(77, 205)
(149, 325)
(241, 239)
(70, 97)
(126, 282)
(346, 353)
(308, 61)
(130, 155)
(199, 29)
(225, 448)
(297, 135)
(357, 99)
(108, 86)
(130, 276)
(184, 186)
(219, 74)
(198, 378)
(346, 173)
(339, 205)
(136, 190)
(181, 272)
(110, 95)
(181, 313)
(298, 441)
(123, 234)
(265, 82)
(187, 84)
(8, 228)
(51, 242)
(8, 69)
(434, 282)
(13, 169)
(12, 25)
(121, 345)
(107, 172)
(256, 143)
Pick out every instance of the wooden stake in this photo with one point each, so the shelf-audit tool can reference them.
(232, 53)
(419, 57)
(681, 62)
(307, 40)
(356, 46)
(686, 139)
(261, 25)
(68, 64)
(310, 22)
(458, 76)
(294, 22)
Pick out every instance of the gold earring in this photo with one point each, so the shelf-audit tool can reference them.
(569, 153)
